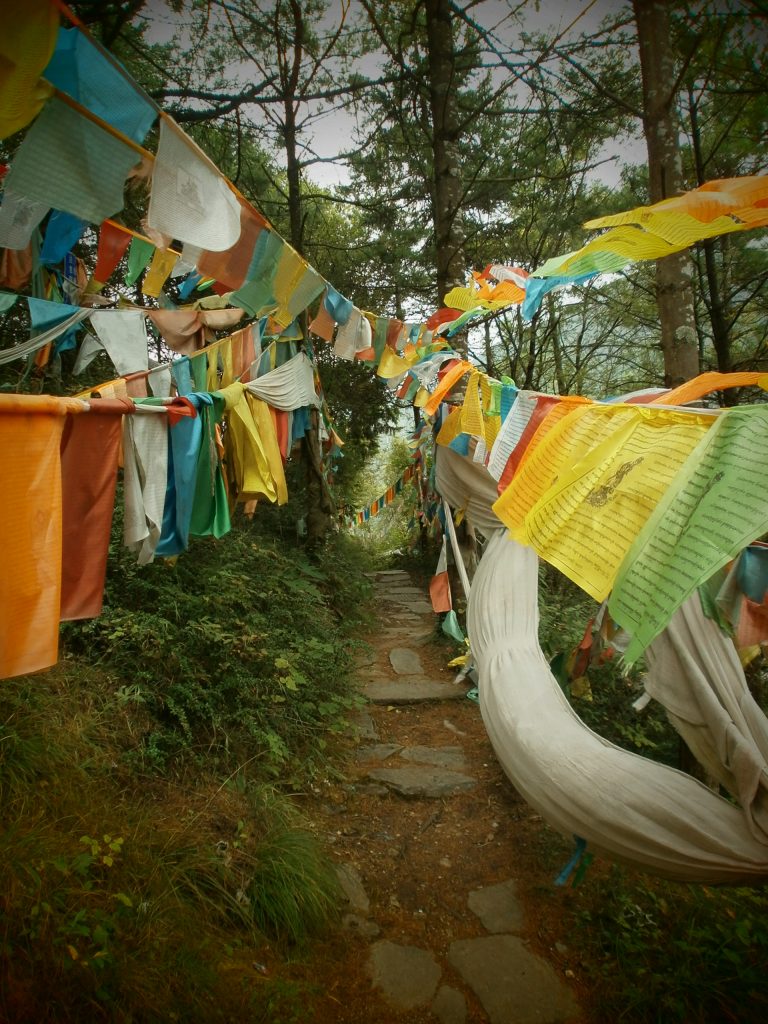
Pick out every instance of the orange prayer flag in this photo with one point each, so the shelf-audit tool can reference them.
(30, 530)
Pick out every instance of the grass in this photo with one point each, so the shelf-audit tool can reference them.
(143, 902)
(153, 865)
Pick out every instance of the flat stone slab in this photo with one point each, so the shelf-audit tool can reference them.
(352, 886)
(413, 634)
(379, 752)
(498, 907)
(512, 983)
(392, 572)
(449, 1006)
(405, 662)
(419, 607)
(415, 782)
(440, 757)
(406, 975)
(411, 691)
(366, 728)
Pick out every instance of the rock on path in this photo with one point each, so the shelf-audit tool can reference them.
(411, 691)
(512, 983)
(423, 783)
(407, 976)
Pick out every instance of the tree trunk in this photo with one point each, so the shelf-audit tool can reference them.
(319, 502)
(721, 335)
(449, 231)
(673, 273)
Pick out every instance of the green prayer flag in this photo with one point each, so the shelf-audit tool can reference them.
(139, 255)
(452, 628)
(714, 508)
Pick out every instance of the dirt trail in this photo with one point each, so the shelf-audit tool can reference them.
(426, 937)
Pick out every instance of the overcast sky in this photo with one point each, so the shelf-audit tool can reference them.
(331, 134)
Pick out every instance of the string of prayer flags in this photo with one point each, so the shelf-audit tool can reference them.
(717, 207)
(386, 498)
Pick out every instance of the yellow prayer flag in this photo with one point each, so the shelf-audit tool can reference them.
(451, 427)
(290, 270)
(565, 444)
(392, 365)
(585, 523)
(27, 40)
(163, 262)
(492, 420)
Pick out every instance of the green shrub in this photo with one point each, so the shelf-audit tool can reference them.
(675, 954)
(240, 650)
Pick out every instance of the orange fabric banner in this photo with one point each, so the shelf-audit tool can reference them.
(90, 449)
(113, 244)
(30, 530)
(702, 385)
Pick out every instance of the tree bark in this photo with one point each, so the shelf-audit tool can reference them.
(447, 192)
(721, 335)
(673, 273)
(319, 502)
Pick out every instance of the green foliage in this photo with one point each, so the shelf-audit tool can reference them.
(136, 899)
(675, 954)
(604, 701)
(240, 651)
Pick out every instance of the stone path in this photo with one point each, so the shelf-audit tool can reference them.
(485, 969)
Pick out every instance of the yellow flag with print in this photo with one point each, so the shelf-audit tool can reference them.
(589, 517)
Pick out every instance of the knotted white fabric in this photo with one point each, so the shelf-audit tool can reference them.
(629, 808)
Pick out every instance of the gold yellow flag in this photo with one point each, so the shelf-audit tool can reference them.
(163, 262)
(576, 431)
(587, 520)
(393, 365)
(27, 41)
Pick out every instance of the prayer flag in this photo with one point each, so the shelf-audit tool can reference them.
(440, 587)
(26, 43)
(190, 199)
(71, 164)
